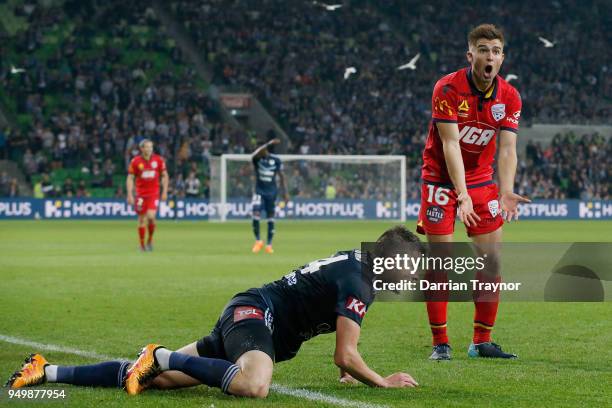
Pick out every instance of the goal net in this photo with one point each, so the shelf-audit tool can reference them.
(319, 187)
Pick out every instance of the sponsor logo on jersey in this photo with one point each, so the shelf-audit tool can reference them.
(247, 312)
(476, 136)
(355, 305)
(434, 214)
(511, 120)
(498, 111)
(464, 108)
(517, 115)
(148, 174)
(291, 279)
(442, 106)
(494, 208)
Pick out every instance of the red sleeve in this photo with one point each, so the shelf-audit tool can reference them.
(444, 103)
(511, 121)
(162, 164)
(132, 166)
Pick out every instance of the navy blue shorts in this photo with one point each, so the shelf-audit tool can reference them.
(265, 203)
(245, 324)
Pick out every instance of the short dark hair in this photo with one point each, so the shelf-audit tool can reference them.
(487, 31)
(395, 240)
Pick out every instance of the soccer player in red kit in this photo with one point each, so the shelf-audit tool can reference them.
(146, 168)
(471, 109)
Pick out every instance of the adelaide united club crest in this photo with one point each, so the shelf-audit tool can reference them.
(498, 111)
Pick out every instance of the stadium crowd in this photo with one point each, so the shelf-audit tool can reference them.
(572, 166)
(103, 103)
(296, 66)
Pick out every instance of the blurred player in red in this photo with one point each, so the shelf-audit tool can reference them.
(146, 168)
(471, 108)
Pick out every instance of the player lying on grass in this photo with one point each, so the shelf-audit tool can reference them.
(257, 328)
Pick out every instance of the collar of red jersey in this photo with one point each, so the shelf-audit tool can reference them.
(491, 93)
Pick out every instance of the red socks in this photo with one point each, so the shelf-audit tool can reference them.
(437, 306)
(486, 303)
(141, 235)
(151, 231)
(437, 321)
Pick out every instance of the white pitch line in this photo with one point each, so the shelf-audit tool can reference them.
(280, 389)
(317, 396)
(53, 347)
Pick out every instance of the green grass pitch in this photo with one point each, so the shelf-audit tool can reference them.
(83, 284)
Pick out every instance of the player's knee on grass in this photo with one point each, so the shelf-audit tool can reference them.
(255, 375)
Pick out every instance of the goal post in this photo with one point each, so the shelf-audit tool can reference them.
(325, 178)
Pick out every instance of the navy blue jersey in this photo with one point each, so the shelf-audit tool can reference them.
(266, 169)
(307, 301)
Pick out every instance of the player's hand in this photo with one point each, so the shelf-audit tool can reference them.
(467, 215)
(346, 378)
(130, 199)
(164, 197)
(274, 141)
(509, 205)
(399, 380)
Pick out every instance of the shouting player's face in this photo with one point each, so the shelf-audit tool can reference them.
(486, 58)
(147, 150)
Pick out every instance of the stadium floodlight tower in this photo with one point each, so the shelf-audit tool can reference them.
(356, 177)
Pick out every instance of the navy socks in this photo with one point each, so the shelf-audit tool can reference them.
(213, 372)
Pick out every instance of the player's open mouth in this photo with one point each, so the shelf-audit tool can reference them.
(488, 70)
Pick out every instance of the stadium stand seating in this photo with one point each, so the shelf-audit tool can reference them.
(96, 88)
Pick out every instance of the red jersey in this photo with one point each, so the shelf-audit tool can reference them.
(479, 115)
(147, 174)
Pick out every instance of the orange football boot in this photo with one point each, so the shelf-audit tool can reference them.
(257, 247)
(145, 369)
(32, 373)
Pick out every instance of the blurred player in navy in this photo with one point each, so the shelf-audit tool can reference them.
(471, 109)
(257, 328)
(267, 166)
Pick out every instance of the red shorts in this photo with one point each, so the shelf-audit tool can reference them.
(439, 209)
(144, 204)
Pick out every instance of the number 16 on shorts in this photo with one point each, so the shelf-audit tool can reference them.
(437, 210)
(437, 195)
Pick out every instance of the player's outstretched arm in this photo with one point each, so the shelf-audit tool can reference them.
(129, 189)
(507, 170)
(349, 360)
(260, 151)
(449, 133)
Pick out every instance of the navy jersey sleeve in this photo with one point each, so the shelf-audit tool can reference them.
(355, 295)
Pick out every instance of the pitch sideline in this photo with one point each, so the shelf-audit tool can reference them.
(280, 389)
